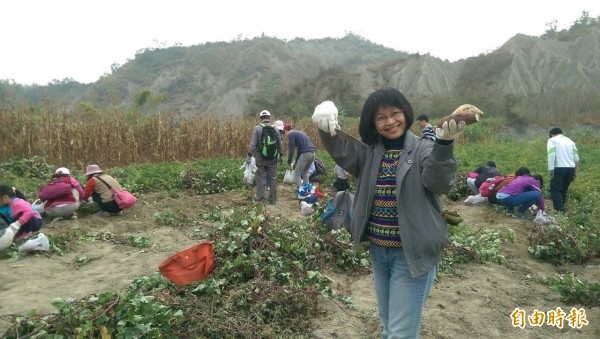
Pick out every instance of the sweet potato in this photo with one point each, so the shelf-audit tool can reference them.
(467, 117)
(468, 113)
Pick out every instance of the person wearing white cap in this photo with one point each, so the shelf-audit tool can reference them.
(97, 189)
(279, 124)
(267, 149)
(64, 206)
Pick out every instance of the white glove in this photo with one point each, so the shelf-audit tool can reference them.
(90, 201)
(325, 117)
(9, 234)
(450, 130)
(15, 226)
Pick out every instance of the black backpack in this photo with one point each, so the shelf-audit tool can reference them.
(267, 145)
(319, 166)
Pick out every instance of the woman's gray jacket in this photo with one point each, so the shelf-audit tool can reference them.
(425, 169)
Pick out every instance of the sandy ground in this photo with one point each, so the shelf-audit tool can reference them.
(474, 302)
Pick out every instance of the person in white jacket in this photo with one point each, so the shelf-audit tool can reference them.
(563, 161)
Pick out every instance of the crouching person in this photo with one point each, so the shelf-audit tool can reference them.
(97, 187)
(66, 206)
(23, 220)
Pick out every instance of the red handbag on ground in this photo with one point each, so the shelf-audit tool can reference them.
(190, 265)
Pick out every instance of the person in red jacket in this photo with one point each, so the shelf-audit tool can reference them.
(99, 191)
(312, 192)
(315, 183)
(67, 205)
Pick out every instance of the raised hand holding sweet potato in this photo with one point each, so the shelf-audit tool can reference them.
(450, 130)
(468, 113)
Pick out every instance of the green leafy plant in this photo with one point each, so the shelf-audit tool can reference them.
(170, 217)
(121, 239)
(466, 246)
(137, 241)
(270, 270)
(460, 188)
(209, 180)
(565, 241)
(34, 167)
(574, 290)
(128, 315)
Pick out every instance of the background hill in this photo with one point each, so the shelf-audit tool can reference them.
(526, 78)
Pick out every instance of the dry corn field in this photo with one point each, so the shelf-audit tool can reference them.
(116, 139)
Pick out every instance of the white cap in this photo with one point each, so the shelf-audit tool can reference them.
(279, 124)
(265, 113)
(63, 170)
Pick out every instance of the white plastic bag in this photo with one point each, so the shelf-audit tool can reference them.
(473, 200)
(39, 243)
(542, 218)
(38, 206)
(248, 175)
(252, 165)
(305, 208)
(288, 178)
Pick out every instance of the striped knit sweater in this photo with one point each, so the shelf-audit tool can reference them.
(383, 228)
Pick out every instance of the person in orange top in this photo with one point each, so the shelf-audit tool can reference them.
(99, 191)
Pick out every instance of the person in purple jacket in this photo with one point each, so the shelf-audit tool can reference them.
(523, 191)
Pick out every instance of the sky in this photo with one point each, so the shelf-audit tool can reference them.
(46, 40)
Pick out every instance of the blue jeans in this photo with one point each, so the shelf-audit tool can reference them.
(32, 225)
(400, 297)
(525, 200)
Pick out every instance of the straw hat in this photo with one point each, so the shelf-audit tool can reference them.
(93, 169)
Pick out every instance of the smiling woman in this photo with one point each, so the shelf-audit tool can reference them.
(390, 122)
(403, 224)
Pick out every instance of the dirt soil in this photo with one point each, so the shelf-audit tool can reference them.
(474, 302)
